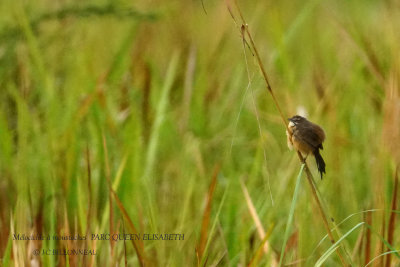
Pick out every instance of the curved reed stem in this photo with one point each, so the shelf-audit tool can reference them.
(245, 32)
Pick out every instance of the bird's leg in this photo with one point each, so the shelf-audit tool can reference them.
(305, 158)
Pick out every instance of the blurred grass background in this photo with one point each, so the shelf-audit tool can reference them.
(159, 91)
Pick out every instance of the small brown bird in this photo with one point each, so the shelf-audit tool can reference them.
(306, 137)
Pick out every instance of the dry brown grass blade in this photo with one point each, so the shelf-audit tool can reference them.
(146, 100)
(358, 246)
(137, 244)
(293, 242)
(392, 218)
(260, 229)
(245, 32)
(89, 212)
(206, 215)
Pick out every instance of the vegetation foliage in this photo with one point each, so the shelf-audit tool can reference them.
(152, 117)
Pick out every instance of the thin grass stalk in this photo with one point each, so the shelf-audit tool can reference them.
(259, 127)
(245, 31)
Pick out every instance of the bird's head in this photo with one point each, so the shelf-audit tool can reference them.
(293, 121)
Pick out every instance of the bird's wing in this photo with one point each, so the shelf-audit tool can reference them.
(310, 137)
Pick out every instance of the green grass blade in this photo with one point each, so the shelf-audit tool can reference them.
(335, 246)
(6, 260)
(160, 115)
(381, 255)
(367, 225)
(384, 241)
(203, 258)
(291, 213)
(154, 138)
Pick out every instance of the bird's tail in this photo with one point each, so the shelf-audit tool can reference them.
(320, 162)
